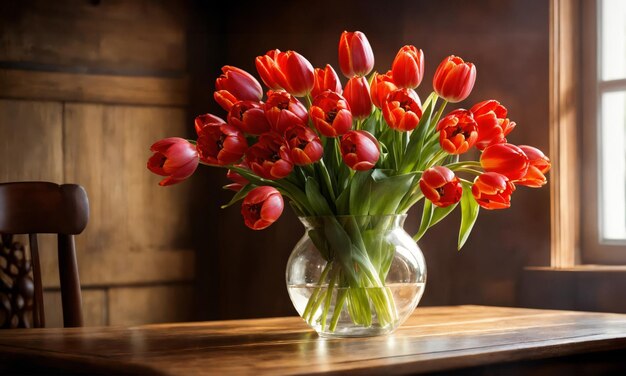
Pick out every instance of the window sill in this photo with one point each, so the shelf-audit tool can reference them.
(582, 288)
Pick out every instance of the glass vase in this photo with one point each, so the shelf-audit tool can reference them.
(355, 276)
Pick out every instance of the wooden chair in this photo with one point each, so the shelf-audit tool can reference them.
(39, 207)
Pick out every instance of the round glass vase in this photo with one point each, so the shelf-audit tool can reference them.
(355, 276)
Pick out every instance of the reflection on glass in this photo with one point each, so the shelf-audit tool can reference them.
(613, 39)
(613, 166)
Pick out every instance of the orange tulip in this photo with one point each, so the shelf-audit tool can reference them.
(331, 114)
(326, 79)
(539, 165)
(266, 65)
(283, 110)
(357, 93)
(293, 73)
(355, 54)
(457, 131)
(221, 144)
(402, 110)
(237, 83)
(304, 144)
(441, 186)
(454, 79)
(270, 157)
(506, 159)
(492, 191)
(249, 117)
(493, 126)
(408, 67)
(382, 85)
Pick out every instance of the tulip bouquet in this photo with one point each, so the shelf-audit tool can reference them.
(371, 147)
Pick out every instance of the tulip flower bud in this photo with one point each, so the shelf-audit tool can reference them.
(283, 110)
(457, 131)
(360, 150)
(175, 158)
(238, 181)
(225, 99)
(202, 121)
(402, 110)
(331, 114)
(270, 157)
(266, 65)
(239, 83)
(454, 79)
(221, 144)
(357, 93)
(539, 164)
(326, 79)
(261, 207)
(492, 191)
(382, 85)
(355, 54)
(293, 73)
(305, 145)
(249, 117)
(506, 159)
(441, 186)
(408, 67)
(493, 126)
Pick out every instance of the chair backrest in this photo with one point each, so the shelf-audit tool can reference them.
(40, 207)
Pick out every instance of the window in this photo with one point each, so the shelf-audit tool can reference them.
(603, 198)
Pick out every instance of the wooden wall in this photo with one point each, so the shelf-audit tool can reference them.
(507, 40)
(85, 88)
(87, 85)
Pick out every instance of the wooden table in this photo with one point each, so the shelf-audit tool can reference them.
(460, 339)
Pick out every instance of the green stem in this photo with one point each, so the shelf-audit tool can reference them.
(329, 297)
(341, 299)
(316, 292)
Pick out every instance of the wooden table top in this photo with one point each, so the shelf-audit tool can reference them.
(433, 339)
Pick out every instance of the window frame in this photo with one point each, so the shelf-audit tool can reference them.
(594, 249)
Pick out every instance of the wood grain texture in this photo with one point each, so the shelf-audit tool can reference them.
(79, 87)
(139, 36)
(434, 339)
(31, 134)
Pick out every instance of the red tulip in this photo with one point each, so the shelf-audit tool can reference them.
(225, 99)
(382, 85)
(249, 117)
(326, 79)
(355, 54)
(493, 126)
(458, 131)
(238, 181)
(262, 207)
(270, 157)
(454, 79)
(305, 146)
(402, 109)
(202, 121)
(506, 159)
(493, 191)
(266, 65)
(441, 186)
(331, 114)
(293, 73)
(539, 165)
(357, 93)
(173, 157)
(238, 83)
(283, 110)
(408, 67)
(221, 144)
(360, 150)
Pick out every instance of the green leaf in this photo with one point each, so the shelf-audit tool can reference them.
(441, 213)
(316, 200)
(360, 192)
(388, 190)
(416, 141)
(370, 123)
(469, 213)
(427, 215)
(239, 195)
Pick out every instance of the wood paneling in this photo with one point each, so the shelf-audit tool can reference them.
(106, 148)
(434, 339)
(31, 134)
(137, 37)
(139, 305)
(78, 87)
